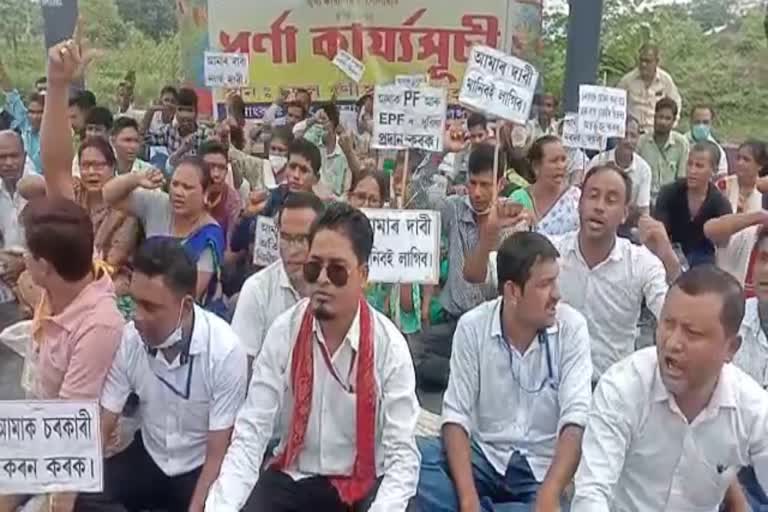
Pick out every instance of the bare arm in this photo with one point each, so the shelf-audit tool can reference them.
(721, 229)
(459, 453)
(117, 191)
(562, 469)
(216, 449)
(56, 151)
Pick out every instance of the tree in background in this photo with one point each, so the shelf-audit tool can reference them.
(155, 18)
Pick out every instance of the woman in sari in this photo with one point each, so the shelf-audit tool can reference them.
(741, 190)
(552, 200)
(180, 213)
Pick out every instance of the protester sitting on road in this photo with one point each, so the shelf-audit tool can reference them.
(80, 103)
(335, 171)
(518, 393)
(126, 142)
(702, 120)
(222, 201)
(189, 372)
(356, 451)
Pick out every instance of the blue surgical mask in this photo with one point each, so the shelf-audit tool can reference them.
(701, 132)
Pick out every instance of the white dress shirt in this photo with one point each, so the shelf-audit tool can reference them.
(10, 210)
(640, 454)
(330, 440)
(265, 295)
(495, 393)
(752, 356)
(610, 295)
(639, 171)
(175, 429)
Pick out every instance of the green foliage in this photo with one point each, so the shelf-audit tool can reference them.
(155, 18)
(728, 69)
(156, 62)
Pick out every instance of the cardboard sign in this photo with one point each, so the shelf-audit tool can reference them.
(265, 247)
(411, 81)
(602, 111)
(407, 117)
(499, 85)
(226, 69)
(50, 446)
(406, 246)
(573, 138)
(349, 65)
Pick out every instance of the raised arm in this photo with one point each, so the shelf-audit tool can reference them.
(117, 191)
(720, 230)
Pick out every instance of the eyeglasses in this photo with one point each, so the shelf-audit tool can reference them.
(96, 166)
(337, 273)
(289, 239)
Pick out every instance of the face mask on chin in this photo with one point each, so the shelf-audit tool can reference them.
(175, 336)
(277, 162)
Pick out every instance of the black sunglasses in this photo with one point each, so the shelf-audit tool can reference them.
(337, 273)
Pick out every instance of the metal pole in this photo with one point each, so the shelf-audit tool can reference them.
(583, 55)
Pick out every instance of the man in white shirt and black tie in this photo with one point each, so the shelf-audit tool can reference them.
(189, 371)
(671, 426)
(339, 377)
(518, 393)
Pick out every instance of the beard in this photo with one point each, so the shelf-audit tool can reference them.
(322, 313)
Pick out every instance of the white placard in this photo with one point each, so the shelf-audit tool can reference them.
(406, 246)
(412, 81)
(572, 138)
(499, 84)
(50, 446)
(226, 69)
(602, 111)
(349, 65)
(406, 117)
(265, 247)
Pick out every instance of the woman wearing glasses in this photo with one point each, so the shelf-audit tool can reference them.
(339, 377)
(518, 393)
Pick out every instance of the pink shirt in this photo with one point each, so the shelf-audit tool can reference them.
(77, 346)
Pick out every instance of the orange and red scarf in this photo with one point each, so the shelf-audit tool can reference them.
(355, 487)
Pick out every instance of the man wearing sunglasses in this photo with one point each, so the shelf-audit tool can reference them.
(518, 394)
(275, 289)
(189, 371)
(339, 377)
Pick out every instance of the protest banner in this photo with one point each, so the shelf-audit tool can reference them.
(499, 84)
(573, 138)
(265, 247)
(50, 446)
(602, 111)
(406, 246)
(349, 65)
(292, 44)
(226, 69)
(406, 118)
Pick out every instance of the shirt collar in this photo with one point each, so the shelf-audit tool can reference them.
(467, 215)
(724, 395)
(72, 316)
(282, 277)
(353, 335)
(571, 245)
(201, 331)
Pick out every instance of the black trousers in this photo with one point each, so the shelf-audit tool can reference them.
(133, 482)
(277, 492)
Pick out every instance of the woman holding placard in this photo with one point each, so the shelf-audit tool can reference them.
(554, 202)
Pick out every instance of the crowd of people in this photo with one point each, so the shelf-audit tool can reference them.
(293, 386)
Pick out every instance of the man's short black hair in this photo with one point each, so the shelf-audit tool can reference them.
(481, 160)
(84, 100)
(213, 147)
(350, 222)
(187, 98)
(332, 111)
(36, 97)
(283, 133)
(99, 116)
(169, 89)
(711, 149)
(610, 167)
(306, 149)
(41, 80)
(123, 122)
(703, 279)
(519, 253)
(667, 104)
(300, 201)
(476, 119)
(166, 257)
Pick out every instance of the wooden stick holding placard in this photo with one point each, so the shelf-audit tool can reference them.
(401, 199)
(496, 166)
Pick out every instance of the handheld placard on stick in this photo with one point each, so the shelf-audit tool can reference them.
(401, 199)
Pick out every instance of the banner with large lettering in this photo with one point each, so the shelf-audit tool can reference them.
(292, 43)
